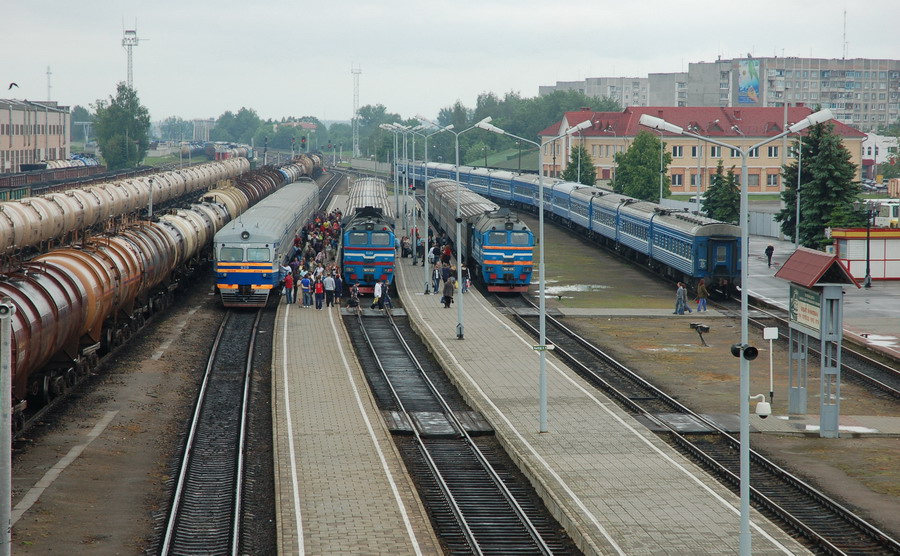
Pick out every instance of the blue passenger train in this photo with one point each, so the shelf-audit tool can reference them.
(367, 249)
(496, 246)
(674, 243)
(250, 250)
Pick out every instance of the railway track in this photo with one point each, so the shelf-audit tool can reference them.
(881, 377)
(478, 501)
(205, 513)
(827, 526)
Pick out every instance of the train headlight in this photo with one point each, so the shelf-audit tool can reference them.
(245, 235)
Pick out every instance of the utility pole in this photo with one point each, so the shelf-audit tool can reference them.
(356, 71)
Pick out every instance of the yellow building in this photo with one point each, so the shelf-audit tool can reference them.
(32, 132)
(693, 160)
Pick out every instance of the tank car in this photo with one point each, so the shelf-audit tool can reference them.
(495, 244)
(250, 250)
(367, 248)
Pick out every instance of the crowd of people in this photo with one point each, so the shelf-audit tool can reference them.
(312, 278)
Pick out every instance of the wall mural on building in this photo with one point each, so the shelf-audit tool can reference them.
(748, 82)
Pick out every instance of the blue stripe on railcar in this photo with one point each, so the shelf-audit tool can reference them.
(367, 257)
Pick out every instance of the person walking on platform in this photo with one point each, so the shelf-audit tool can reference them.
(464, 287)
(289, 288)
(770, 250)
(376, 300)
(702, 296)
(681, 300)
(449, 287)
(436, 277)
(354, 298)
(328, 284)
(338, 288)
(306, 289)
(319, 289)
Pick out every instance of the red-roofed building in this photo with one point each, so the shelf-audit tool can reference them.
(613, 132)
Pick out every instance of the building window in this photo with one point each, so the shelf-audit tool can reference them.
(754, 153)
(735, 153)
(676, 180)
(773, 152)
(677, 151)
(772, 180)
(715, 151)
(753, 180)
(695, 180)
(696, 151)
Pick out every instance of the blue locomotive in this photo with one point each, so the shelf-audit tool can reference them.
(495, 244)
(250, 250)
(367, 249)
(674, 243)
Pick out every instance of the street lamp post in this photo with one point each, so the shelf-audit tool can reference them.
(395, 131)
(871, 210)
(797, 212)
(660, 124)
(425, 245)
(460, 325)
(542, 377)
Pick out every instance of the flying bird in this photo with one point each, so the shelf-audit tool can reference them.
(11, 85)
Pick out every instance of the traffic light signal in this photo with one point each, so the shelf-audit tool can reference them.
(303, 142)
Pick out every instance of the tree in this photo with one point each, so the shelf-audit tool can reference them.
(826, 186)
(174, 128)
(722, 200)
(580, 159)
(122, 126)
(236, 128)
(638, 169)
(80, 114)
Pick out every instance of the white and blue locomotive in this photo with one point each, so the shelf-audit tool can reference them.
(250, 250)
(495, 244)
(674, 243)
(367, 249)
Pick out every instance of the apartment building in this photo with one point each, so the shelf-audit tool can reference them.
(32, 132)
(629, 91)
(693, 161)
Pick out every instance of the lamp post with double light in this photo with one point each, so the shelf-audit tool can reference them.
(871, 209)
(425, 244)
(460, 254)
(660, 124)
(395, 131)
(542, 378)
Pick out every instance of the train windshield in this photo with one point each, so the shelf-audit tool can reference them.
(231, 254)
(518, 238)
(357, 238)
(258, 254)
(381, 238)
(497, 238)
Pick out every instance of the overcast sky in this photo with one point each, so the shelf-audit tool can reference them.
(293, 58)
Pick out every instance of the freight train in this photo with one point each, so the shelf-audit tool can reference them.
(73, 304)
(250, 250)
(674, 243)
(496, 246)
(367, 248)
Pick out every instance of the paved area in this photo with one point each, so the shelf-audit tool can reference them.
(614, 486)
(871, 315)
(341, 487)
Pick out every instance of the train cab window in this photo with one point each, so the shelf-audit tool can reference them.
(518, 238)
(497, 238)
(357, 238)
(231, 254)
(258, 254)
(381, 238)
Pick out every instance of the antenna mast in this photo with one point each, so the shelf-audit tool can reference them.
(48, 83)
(355, 70)
(845, 34)
(129, 41)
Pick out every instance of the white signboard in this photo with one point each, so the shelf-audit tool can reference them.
(805, 310)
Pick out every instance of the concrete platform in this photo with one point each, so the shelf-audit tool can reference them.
(614, 486)
(341, 487)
